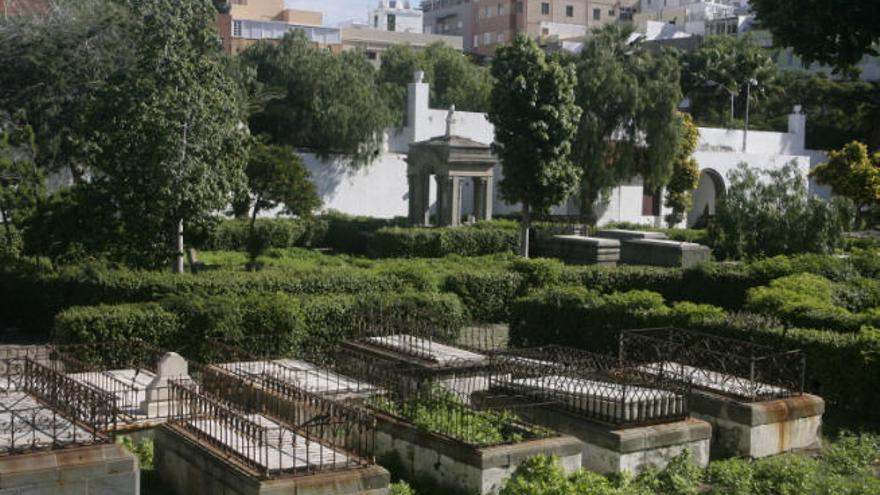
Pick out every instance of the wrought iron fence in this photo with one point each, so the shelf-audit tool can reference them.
(593, 386)
(48, 410)
(730, 367)
(311, 436)
(123, 369)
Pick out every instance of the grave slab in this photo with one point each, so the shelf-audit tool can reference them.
(662, 252)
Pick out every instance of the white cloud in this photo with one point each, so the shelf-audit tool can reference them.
(336, 11)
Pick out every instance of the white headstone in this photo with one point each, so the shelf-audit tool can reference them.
(171, 366)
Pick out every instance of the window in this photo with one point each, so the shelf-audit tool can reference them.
(650, 202)
(392, 22)
(476, 40)
(375, 22)
(611, 13)
(519, 7)
(545, 8)
(569, 11)
(371, 55)
(499, 38)
(545, 31)
(236, 29)
(487, 39)
(487, 12)
(460, 24)
(393, 4)
(500, 9)
(597, 14)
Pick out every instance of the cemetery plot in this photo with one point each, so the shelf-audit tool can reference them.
(729, 367)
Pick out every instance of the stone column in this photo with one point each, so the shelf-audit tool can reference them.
(444, 194)
(489, 197)
(455, 203)
(419, 201)
(482, 200)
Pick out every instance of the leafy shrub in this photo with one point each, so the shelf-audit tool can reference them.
(804, 300)
(232, 235)
(108, 323)
(402, 488)
(852, 455)
(786, 474)
(420, 242)
(540, 272)
(557, 315)
(487, 295)
(758, 217)
(143, 450)
(729, 477)
(349, 234)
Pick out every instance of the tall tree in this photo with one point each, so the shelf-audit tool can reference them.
(53, 64)
(535, 116)
(331, 104)
(171, 143)
(854, 173)
(824, 31)
(277, 177)
(630, 123)
(455, 79)
(715, 77)
(21, 183)
(685, 174)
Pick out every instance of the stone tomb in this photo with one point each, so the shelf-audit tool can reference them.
(191, 467)
(662, 252)
(629, 235)
(580, 250)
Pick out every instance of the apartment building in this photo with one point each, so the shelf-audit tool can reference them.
(244, 22)
(498, 21)
(450, 18)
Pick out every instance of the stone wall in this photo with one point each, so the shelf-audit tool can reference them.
(107, 469)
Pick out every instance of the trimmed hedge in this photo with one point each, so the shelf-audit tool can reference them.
(232, 234)
(841, 367)
(487, 295)
(313, 324)
(398, 242)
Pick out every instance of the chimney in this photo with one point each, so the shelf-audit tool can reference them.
(418, 94)
(797, 125)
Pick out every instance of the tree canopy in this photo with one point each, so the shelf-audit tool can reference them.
(170, 138)
(685, 174)
(630, 123)
(535, 116)
(825, 31)
(454, 78)
(331, 103)
(852, 172)
(21, 183)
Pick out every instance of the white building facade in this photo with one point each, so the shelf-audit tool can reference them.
(398, 16)
(381, 189)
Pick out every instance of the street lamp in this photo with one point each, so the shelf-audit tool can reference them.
(751, 82)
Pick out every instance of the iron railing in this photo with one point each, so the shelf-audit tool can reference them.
(729, 367)
(268, 447)
(590, 385)
(48, 410)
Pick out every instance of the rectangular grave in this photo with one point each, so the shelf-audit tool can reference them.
(628, 235)
(458, 466)
(661, 252)
(304, 375)
(580, 250)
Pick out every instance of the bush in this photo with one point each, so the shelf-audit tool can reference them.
(486, 295)
(540, 272)
(803, 300)
(419, 242)
(729, 477)
(232, 235)
(108, 323)
(758, 217)
(349, 234)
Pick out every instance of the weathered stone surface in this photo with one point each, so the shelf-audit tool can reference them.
(188, 468)
(580, 250)
(106, 469)
(661, 252)
(627, 235)
(760, 429)
(459, 466)
(171, 366)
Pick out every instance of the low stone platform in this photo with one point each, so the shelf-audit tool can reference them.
(629, 235)
(106, 469)
(459, 466)
(189, 467)
(662, 252)
(580, 250)
(760, 429)
(608, 449)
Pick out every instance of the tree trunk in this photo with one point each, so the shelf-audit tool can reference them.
(177, 262)
(252, 232)
(10, 239)
(524, 230)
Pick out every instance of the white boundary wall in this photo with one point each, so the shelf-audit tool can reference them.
(380, 189)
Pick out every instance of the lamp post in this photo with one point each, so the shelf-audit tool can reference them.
(751, 82)
(730, 92)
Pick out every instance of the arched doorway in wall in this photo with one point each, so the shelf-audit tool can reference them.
(710, 189)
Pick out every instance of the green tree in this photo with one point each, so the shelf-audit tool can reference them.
(774, 214)
(277, 177)
(21, 183)
(852, 172)
(685, 174)
(823, 31)
(331, 103)
(171, 142)
(630, 123)
(535, 116)
(53, 65)
(716, 74)
(454, 78)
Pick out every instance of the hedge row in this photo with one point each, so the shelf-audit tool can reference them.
(312, 324)
(397, 242)
(841, 367)
(232, 235)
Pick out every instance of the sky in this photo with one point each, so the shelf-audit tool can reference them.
(336, 11)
